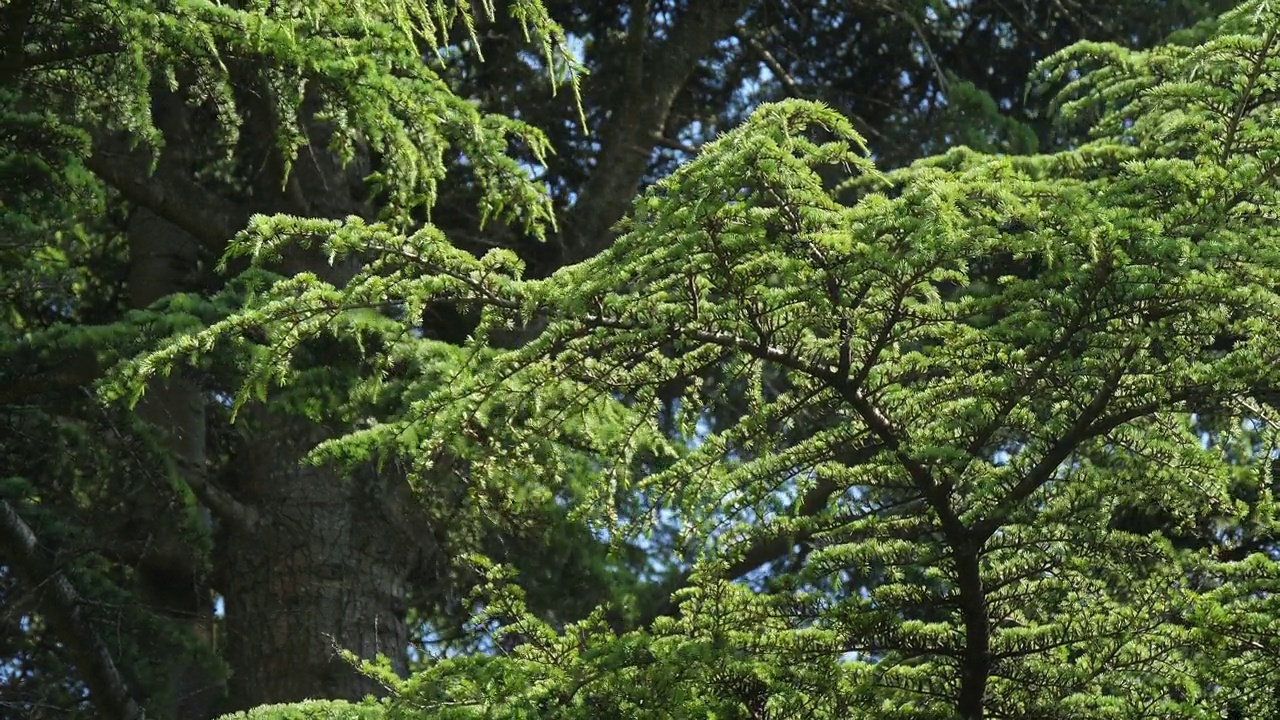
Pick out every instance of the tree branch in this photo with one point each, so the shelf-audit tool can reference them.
(1086, 426)
(628, 137)
(760, 554)
(167, 192)
(222, 503)
(792, 86)
(107, 688)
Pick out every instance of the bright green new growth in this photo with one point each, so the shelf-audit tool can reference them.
(315, 57)
(311, 710)
(964, 375)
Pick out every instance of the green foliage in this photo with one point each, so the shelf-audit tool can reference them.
(94, 68)
(980, 435)
(311, 710)
(87, 91)
(728, 654)
(1004, 355)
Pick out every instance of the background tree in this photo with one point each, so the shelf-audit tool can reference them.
(138, 140)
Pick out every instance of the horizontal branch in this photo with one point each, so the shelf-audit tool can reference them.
(222, 503)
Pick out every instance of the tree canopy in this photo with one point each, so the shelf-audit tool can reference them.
(960, 376)
(817, 429)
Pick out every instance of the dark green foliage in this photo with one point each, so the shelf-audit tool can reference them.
(88, 92)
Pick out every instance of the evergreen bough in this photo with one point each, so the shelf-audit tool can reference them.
(964, 377)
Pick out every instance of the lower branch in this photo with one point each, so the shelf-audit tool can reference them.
(107, 688)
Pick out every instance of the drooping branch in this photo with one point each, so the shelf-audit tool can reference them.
(107, 688)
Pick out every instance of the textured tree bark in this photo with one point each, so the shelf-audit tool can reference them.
(326, 568)
(306, 560)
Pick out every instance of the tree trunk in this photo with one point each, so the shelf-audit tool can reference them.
(306, 559)
(324, 565)
(324, 568)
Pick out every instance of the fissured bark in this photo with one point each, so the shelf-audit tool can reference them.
(324, 567)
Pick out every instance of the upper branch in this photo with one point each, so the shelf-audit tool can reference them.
(636, 124)
(1090, 424)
